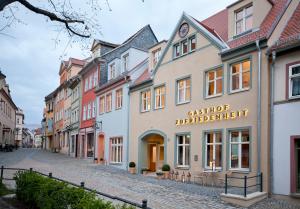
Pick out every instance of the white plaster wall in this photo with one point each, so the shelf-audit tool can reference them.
(136, 57)
(286, 124)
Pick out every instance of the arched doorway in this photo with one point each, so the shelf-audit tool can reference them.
(152, 150)
(101, 148)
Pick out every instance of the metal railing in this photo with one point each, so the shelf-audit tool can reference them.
(245, 179)
(81, 185)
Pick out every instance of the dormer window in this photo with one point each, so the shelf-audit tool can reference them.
(125, 62)
(112, 71)
(244, 20)
(156, 56)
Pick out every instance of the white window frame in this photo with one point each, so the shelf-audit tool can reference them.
(239, 143)
(240, 73)
(187, 46)
(108, 106)
(185, 87)
(207, 82)
(146, 100)
(174, 50)
(156, 56)
(125, 59)
(93, 109)
(112, 70)
(84, 113)
(184, 145)
(159, 96)
(102, 105)
(243, 10)
(214, 144)
(89, 111)
(95, 78)
(119, 98)
(117, 149)
(193, 37)
(290, 81)
(90, 82)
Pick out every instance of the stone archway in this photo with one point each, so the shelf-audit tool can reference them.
(152, 150)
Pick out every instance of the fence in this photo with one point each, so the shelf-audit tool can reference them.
(258, 182)
(81, 185)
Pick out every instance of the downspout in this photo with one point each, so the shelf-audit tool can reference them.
(259, 109)
(128, 127)
(95, 125)
(272, 119)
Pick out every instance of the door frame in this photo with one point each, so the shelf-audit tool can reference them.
(293, 167)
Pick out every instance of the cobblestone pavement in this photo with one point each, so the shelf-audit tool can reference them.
(163, 194)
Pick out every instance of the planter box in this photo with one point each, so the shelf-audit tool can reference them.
(166, 174)
(132, 170)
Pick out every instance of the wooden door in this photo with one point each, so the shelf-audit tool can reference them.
(100, 148)
(152, 157)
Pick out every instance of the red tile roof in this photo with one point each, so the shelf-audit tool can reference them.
(145, 76)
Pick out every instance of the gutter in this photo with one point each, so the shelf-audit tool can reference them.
(128, 127)
(258, 108)
(272, 119)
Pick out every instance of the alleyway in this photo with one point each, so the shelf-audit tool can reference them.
(159, 193)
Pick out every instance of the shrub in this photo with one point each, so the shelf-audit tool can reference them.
(132, 165)
(41, 192)
(166, 167)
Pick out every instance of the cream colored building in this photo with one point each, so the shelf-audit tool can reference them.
(205, 106)
(19, 126)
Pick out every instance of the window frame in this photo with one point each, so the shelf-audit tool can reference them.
(180, 42)
(290, 77)
(119, 150)
(146, 99)
(112, 68)
(206, 82)
(84, 113)
(177, 145)
(177, 90)
(106, 102)
(156, 56)
(160, 96)
(125, 62)
(243, 19)
(214, 144)
(230, 65)
(119, 106)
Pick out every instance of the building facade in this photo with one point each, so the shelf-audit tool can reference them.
(7, 114)
(19, 127)
(49, 121)
(285, 103)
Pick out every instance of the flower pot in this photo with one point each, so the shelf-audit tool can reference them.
(166, 174)
(132, 170)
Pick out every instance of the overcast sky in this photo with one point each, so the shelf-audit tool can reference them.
(30, 59)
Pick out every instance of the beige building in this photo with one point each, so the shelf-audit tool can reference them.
(205, 106)
(19, 126)
(7, 114)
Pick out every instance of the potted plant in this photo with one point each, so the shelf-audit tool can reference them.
(145, 171)
(166, 170)
(159, 174)
(132, 168)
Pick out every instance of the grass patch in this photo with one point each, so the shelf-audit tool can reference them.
(4, 190)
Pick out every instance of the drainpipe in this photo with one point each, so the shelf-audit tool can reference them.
(95, 125)
(258, 109)
(128, 127)
(272, 119)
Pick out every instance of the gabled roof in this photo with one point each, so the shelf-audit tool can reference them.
(105, 43)
(290, 36)
(72, 61)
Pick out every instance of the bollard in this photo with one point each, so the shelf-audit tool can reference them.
(1, 177)
(226, 184)
(50, 175)
(245, 186)
(82, 184)
(144, 204)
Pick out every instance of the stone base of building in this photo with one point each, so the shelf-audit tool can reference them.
(244, 201)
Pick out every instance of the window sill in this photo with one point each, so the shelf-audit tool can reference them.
(182, 167)
(119, 108)
(294, 97)
(182, 103)
(213, 96)
(183, 55)
(242, 34)
(241, 171)
(144, 111)
(114, 163)
(239, 91)
(159, 108)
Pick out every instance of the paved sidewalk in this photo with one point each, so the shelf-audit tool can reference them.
(163, 194)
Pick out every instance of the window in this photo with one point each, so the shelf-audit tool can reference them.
(89, 111)
(95, 78)
(91, 82)
(184, 47)
(183, 150)
(84, 113)
(94, 109)
(159, 94)
(112, 71)
(294, 81)
(240, 76)
(119, 98)
(116, 150)
(108, 102)
(213, 150)
(239, 150)
(102, 105)
(214, 82)
(146, 101)
(86, 85)
(125, 62)
(156, 56)
(192, 41)
(183, 90)
(243, 20)
(177, 50)
(90, 145)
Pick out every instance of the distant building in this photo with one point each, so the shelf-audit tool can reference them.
(7, 113)
(27, 138)
(19, 126)
(37, 140)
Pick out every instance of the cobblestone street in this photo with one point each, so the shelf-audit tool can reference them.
(159, 193)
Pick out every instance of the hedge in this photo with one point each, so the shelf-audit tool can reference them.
(41, 192)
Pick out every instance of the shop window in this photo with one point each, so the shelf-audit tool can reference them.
(160, 93)
(240, 76)
(102, 105)
(183, 150)
(239, 150)
(146, 101)
(294, 81)
(108, 102)
(90, 145)
(213, 150)
(244, 20)
(214, 82)
(116, 150)
(183, 90)
(119, 98)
